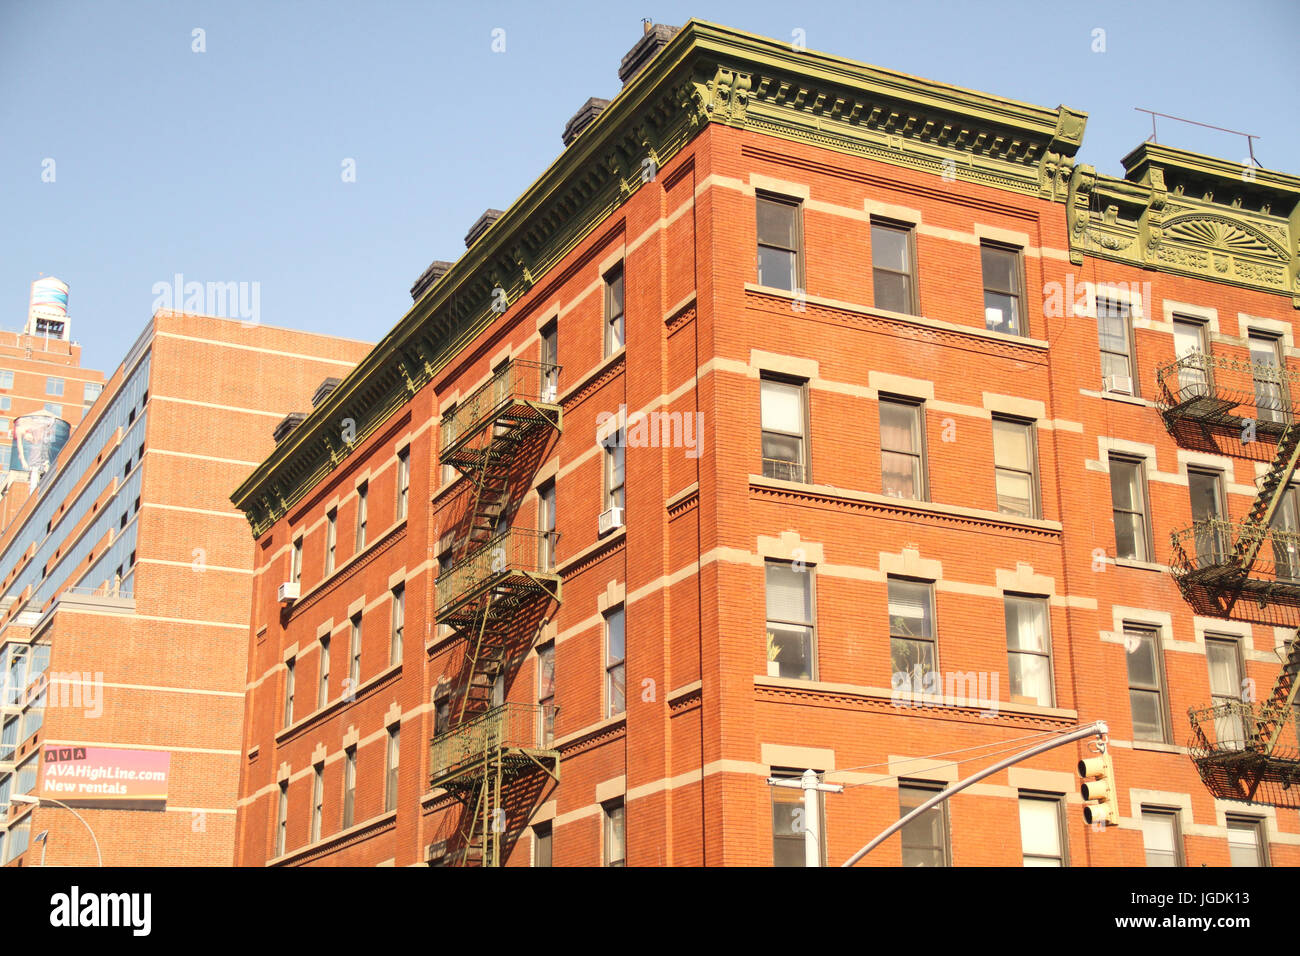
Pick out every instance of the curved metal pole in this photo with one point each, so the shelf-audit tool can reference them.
(60, 803)
(1096, 729)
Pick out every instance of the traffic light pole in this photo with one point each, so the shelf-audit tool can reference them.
(1097, 729)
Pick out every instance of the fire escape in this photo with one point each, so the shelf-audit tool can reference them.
(1243, 749)
(492, 598)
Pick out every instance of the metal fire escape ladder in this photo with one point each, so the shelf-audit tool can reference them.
(1281, 703)
(497, 575)
(1260, 519)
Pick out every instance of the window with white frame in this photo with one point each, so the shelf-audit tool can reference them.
(615, 662)
(1042, 829)
(791, 621)
(1029, 649)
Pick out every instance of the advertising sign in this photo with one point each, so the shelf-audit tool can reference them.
(105, 777)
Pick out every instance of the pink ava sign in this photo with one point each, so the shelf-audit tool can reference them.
(104, 776)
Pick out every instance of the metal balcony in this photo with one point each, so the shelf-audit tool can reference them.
(513, 568)
(1210, 390)
(517, 398)
(1207, 563)
(503, 738)
(1249, 752)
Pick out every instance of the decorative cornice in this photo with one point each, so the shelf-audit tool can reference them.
(1189, 214)
(705, 74)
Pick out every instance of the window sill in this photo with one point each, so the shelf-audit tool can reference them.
(1140, 565)
(885, 693)
(1118, 397)
(297, 726)
(605, 541)
(601, 367)
(917, 320)
(1158, 747)
(911, 504)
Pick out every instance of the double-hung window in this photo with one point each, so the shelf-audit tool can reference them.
(317, 800)
(399, 624)
(550, 363)
(362, 490)
(1042, 830)
(925, 839)
(1003, 308)
(1161, 838)
(615, 461)
(615, 836)
(331, 539)
(1029, 649)
(912, 643)
(1115, 333)
(546, 693)
(349, 785)
(1015, 467)
(902, 449)
(1247, 845)
(784, 409)
(791, 650)
(614, 337)
(790, 830)
(323, 687)
(392, 755)
(615, 662)
(893, 267)
(1146, 683)
(780, 234)
(403, 481)
(1129, 508)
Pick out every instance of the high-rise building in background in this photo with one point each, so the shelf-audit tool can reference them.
(803, 415)
(40, 375)
(124, 598)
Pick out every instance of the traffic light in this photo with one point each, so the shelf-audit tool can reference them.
(1098, 789)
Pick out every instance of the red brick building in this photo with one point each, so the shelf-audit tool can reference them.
(41, 373)
(771, 429)
(125, 596)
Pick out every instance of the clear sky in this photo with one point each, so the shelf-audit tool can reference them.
(227, 165)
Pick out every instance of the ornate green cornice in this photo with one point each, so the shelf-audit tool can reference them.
(705, 74)
(1182, 212)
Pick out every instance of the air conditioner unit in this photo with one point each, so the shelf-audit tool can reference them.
(289, 592)
(1122, 384)
(611, 519)
(549, 392)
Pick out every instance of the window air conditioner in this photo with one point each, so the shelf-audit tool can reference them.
(289, 592)
(611, 519)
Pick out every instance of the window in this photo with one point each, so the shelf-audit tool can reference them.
(391, 759)
(354, 655)
(784, 410)
(615, 652)
(361, 514)
(448, 469)
(1128, 500)
(1029, 649)
(1285, 535)
(790, 830)
(54, 409)
(441, 713)
(925, 839)
(1042, 831)
(546, 526)
(542, 844)
(5, 424)
(1115, 333)
(912, 645)
(331, 539)
(615, 837)
(403, 481)
(1146, 684)
(1272, 397)
(790, 621)
(91, 392)
(317, 800)
(893, 272)
(1246, 843)
(614, 309)
(282, 818)
(288, 692)
(6, 379)
(1224, 657)
(1211, 539)
(550, 363)
(1160, 837)
(615, 458)
(546, 693)
(349, 785)
(1015, 467)
(1191, 349)
(295, 562)
(323, 691)
(780, 236)
(54, 387)
(1003, 311)
(399, 624)
(902, 450)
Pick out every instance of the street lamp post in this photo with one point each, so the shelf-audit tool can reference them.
(37, 801)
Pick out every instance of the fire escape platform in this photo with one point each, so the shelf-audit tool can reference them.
(502, 740)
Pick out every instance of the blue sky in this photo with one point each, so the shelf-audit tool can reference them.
(225, 165)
